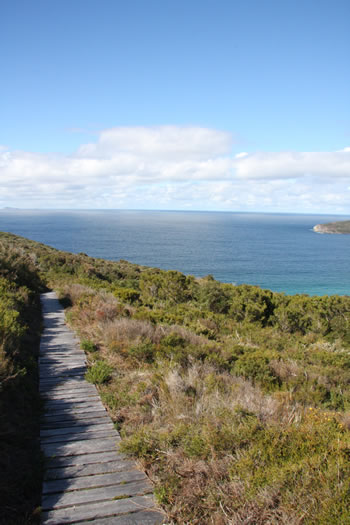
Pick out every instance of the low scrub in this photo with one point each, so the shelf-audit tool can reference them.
(234, 399)
(100, 372)
(20, 320)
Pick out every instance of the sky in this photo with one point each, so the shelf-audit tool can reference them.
(225, 105)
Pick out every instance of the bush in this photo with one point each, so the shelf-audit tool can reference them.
(127, 295)
(88, 346)
(99, 373)
(255, 365)
(144, 351)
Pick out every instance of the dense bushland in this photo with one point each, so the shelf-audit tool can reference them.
(20, 320)
(234, 399)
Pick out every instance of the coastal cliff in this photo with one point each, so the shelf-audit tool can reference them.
(333, 227)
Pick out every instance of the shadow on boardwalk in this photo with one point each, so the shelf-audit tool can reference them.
(87, 479)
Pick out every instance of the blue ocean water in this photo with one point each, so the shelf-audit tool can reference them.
(275, 251)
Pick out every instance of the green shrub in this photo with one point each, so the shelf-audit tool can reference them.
(88, 346)
(127, 295)
(99, 373)
(255, 365)
(144, 351)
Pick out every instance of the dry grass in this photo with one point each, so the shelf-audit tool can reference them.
(219, 448)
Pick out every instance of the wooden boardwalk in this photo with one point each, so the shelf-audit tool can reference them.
(87, 480)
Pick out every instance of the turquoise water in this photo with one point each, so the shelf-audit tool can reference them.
(275, 251)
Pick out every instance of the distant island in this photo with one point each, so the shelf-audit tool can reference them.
(333, 227)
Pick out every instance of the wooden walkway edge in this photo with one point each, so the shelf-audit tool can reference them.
(86, 480)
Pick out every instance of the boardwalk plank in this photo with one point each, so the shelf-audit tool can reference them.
(88, 427)
(71, 396)
(80, 447)
(78, 497)
(63, 387)
(84, 459)
(60, 360)
(93, 510)
(70, 383)
(96, 407)
(89, 470)
(57, 405)
(98, 434)
(87, 482)
(62, 410)
(74, 422)
(69, 412)
(134, 518)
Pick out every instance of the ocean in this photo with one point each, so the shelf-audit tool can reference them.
(275, 251)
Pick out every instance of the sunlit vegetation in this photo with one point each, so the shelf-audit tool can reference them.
(234, 399)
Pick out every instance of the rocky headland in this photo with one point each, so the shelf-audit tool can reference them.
(333, 227)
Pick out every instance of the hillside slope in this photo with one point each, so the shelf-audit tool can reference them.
(234, 399)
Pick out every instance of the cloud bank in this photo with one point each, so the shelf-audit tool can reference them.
(173, 167)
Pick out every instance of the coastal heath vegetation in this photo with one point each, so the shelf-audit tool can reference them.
(235, 400)
(20, 325)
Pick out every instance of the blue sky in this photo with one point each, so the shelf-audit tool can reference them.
(266, 82)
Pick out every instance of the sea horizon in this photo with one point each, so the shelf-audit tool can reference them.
(273, 250)
(165, 210)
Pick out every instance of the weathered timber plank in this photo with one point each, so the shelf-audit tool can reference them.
(89, 470)
(54, 373)
(62, 359)
(84, 459)
(59, 403)
(73, 382)
(62, 387)
(70, 416)
(73, 409)
(79, 447)
(97, 510)
(69, 411)
(65, 373)
(133, 518)
(95, 481)
(88, 427)
(55, 370)
(62, 355)
(70, 395)
(72, 423)
(64, 405)
(50, 392)
(69, 400)
(60, 379)
(98, 434)
(78, 497)
(49, 349)
(62, 364)
(72, 387)
(70, 383)
(96, 407)
(76, 398)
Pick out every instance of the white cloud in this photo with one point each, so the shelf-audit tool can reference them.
(241, 155)
(170, 143)
(293, 165)
(175, 167)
